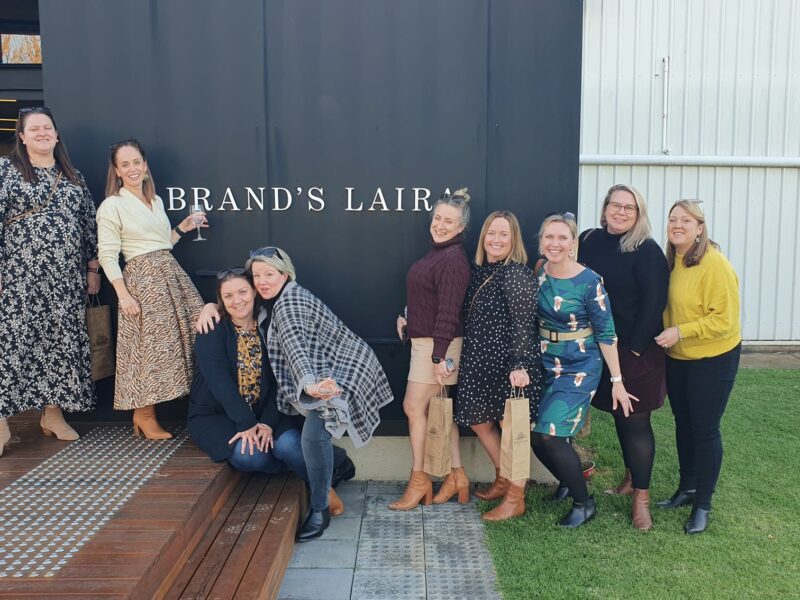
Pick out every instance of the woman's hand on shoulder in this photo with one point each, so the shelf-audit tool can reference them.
(209, 316)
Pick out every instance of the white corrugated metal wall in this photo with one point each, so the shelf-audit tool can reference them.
(733, 99)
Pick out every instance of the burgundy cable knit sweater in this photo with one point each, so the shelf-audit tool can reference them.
(435, 288)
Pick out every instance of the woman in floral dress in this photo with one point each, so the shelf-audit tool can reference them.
(576, 334)
(48, 261)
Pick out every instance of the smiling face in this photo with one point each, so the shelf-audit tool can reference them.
(39, 134)
(130, 166)
(238, 297)
(621, 212)
(556, 242)
(267, 279)
(446, 223)
(497, 242)
(682, 229)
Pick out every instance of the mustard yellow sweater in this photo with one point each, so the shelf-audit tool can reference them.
(703, 302)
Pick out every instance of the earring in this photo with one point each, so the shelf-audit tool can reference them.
(572, 252)
(697, 240)
(119, 181)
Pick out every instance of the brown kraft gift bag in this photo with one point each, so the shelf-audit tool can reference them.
(101, 341)
(437, 436)
(515, 441)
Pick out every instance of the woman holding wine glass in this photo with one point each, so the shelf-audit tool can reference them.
(158, 304)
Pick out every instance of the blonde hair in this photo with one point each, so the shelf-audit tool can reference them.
(279, 261)
(703, 242)
(518, 253)
(641, 230)
(559, 218)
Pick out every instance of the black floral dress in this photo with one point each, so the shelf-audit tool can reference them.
(500, 335)
(45, 346)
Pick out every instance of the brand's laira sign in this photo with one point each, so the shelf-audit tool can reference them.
(314, 199)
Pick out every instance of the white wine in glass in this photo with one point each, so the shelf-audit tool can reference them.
(198, 214)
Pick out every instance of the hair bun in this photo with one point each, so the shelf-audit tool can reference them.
(464, 192)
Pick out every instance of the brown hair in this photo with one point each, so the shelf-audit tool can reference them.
(517, 253)
(228, 275)
(114, 183)
(703, 242)
(20, 158)
(641, 230)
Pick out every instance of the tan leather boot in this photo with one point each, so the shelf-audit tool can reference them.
(496, 490)
(419, 489)
(335, 504)
(640, 510)
(53, 423)
(144, 422)
(513, 505)
(625, 487)
(456, 482)
(5, 435)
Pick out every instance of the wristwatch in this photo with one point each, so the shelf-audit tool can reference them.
(616, 379)
(436, 359)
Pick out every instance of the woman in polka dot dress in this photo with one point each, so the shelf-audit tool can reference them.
(501, 348)
(577, 333)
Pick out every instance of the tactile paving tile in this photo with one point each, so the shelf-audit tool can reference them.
(442, 529)
(457, 552)
(386, 585)
(390, 528)
(50, 513)
(460, 584)
(379, 506)
(386, 488)
(453, 512)
(391, 554)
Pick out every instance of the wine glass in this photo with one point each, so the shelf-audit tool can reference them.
(327, 385)
(198, 214)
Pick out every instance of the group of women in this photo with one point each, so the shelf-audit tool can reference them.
(603, 319)
(273, 375)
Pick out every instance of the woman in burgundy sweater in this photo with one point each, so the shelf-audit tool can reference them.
(435, 286)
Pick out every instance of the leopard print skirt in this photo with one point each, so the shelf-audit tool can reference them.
(155, 349)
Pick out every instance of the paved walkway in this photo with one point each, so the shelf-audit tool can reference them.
(767, 359)
(372, 552)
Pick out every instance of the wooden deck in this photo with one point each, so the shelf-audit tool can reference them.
(194, 529)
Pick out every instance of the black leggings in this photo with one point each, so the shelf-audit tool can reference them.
(562, 461)
(638, 446)
(698, 394)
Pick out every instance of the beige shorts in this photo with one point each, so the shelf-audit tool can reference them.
(421, 370)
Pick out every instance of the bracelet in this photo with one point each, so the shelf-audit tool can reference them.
(93, 270)
(616, 379)
(177, 230)
(680, 337)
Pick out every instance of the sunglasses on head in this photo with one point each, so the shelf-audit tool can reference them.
(34, 109)
(266, 252)
(237, 271)
(567, 215)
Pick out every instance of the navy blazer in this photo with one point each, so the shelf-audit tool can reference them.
(216, 409)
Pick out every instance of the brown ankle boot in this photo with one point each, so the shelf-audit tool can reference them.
(640, 510)
(496, 490)
(625, 487)
(419, 489)
(144, 421)
(335, 504)
(455, 482)
(53, 423)
(5, 435)
(513, 505)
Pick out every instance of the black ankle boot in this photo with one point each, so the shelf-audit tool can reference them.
(679, 498)
(698, 521)
(561, 493)
(316, 522)
(343, 472)
(580, 513)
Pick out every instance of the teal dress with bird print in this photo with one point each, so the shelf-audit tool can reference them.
(572, 367)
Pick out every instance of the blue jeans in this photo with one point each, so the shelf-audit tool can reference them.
(318, 452)
(286, 454)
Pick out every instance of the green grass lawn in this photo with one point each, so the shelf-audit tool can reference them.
(750, 550)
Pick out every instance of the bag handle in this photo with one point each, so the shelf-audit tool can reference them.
(33, 211)
(92, 300)
(471, 304)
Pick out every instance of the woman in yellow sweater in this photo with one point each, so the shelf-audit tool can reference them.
(158, 303)
(703, 341)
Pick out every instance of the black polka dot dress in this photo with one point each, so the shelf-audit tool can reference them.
(501, 335)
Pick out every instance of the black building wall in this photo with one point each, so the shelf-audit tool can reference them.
(361, 94)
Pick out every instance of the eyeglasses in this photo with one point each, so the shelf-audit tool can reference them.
(237, 271)
(34, 109)
(567, 215)
(266, 252)
(628, 209)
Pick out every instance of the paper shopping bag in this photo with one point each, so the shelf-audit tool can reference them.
(437, 436)
(101, 340)
(515, 441)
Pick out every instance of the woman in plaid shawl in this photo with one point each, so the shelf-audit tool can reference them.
(324, 371)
